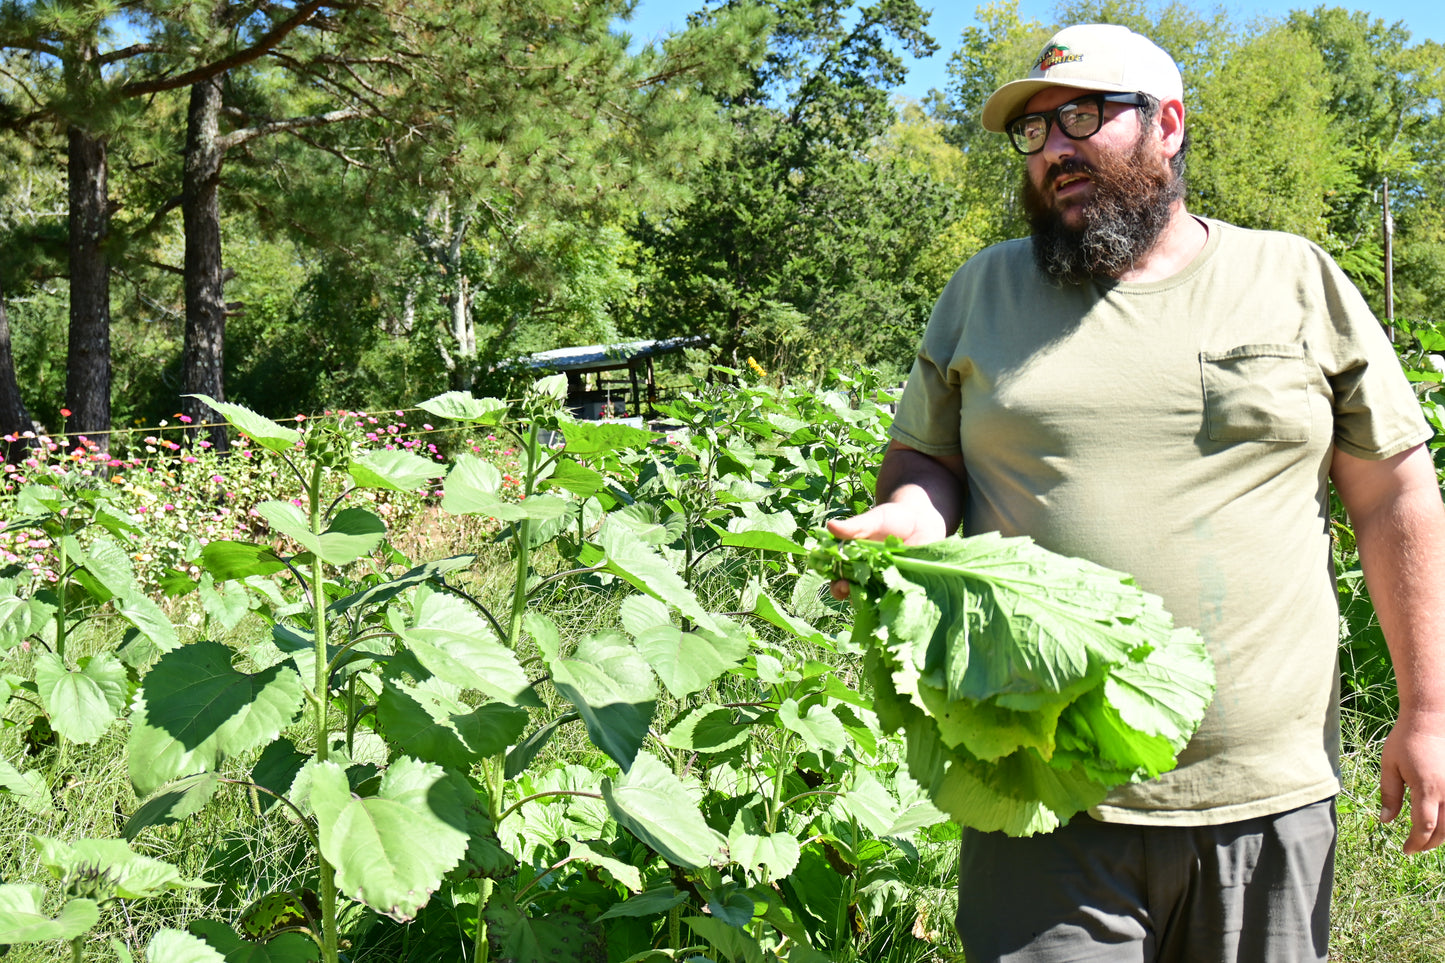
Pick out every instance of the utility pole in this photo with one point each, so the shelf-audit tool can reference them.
(1389, 230)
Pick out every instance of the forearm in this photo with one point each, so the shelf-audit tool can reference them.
(1402, 551)
(926, 485)
(919, 498)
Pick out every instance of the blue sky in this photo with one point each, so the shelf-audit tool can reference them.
(1424, 18)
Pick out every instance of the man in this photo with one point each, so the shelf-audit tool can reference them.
(1169, 396)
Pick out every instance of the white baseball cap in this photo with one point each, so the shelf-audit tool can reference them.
(1089, 56)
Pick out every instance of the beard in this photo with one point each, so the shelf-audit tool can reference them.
(1133, 199)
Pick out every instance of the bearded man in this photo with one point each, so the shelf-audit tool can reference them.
(1171, 396)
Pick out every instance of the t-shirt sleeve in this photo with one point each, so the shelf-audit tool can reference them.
(928, 413)
(1376, 412)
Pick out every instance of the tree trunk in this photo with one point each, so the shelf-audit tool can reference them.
(14, 419)
(87, 382)
(202, 358)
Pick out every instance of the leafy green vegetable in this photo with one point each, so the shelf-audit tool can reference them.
(1027, 684)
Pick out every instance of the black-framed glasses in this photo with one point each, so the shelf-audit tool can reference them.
(1079, 119)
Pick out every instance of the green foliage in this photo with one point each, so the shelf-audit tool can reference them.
(1026, 685)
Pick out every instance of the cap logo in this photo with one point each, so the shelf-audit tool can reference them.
(1054, 54)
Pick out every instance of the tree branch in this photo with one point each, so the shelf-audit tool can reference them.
(238, 137)
(238, 59)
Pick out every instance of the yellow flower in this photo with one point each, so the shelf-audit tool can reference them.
(756, 368)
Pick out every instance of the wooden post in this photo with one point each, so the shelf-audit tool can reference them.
(1389, 230)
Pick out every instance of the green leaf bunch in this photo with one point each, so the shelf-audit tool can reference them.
(1027, 684)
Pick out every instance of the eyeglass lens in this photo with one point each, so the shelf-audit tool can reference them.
(1079, 118)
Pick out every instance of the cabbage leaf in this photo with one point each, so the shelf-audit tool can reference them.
(1027, 684)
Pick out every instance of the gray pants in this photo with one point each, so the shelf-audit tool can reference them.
(1256, 891)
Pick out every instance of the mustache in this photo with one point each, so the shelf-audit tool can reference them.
(1069, 165)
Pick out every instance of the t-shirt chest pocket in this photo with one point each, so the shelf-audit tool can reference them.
(1256, 392)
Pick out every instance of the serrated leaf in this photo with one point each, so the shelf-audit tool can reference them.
(820, 728)
(23, 918)
(431, 727)
(648, 571)
(391, 850)
(461, 406)
(525, 751)
(126, 873)
(764, 541)
(353, 532)
(27, 788)
(150, 619)
(472, 486)
(286, 519)
(174, 946)
(110, 565)
(263, 431)
(588, 438)
(173, 802)
(771, 856)
(282, 948)
(653, 902)
(578, 479)
(612, 687)
(458, 645)
(413, 577)
(81, 703)
(227, 560)
(656, 807)
(196, 709)
(708, 728)
(593, 855)
(393, 469)
(736, 945)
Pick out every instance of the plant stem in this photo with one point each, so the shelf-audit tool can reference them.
(61, 615)
(524, 540)
(77, 949)
(321, 689)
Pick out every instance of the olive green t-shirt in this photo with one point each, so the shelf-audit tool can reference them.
(1181, 431)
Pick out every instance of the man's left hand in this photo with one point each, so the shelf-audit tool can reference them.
(1414, 756)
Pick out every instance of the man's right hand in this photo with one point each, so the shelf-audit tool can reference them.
(920, 499)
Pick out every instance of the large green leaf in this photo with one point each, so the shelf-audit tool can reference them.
(174, 946)
(126, 873)
(226, 559)
(282, 948)
(647, 570)
(594, 855)
(110, 565)
(686, 662)
(433, 726)
(81, 703)
(820, 728)
(612, 687)
(149, 618)
(196, 709)
(393, 469)
(473, 485)
(386, 591)
(765, 856)
(173, 802)
(26, 788)
(1027, 683)
(461, 406)
(352, 533)
(391, 850)
(460, 646)
(661, 810)
(23, 918)
(588, 438)
(263, 431)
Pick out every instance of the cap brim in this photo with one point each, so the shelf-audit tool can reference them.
(1008, 101)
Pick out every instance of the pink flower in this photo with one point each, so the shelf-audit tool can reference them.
(65, 412)
(185, 419)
